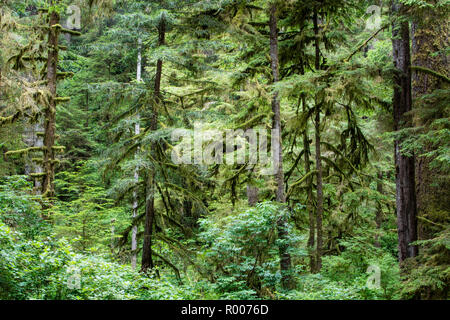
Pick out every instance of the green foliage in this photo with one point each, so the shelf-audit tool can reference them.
(242, 250)
(428, 275)
(49, 269)
(28, 267)
(87, 214)
(207, 241)
(19, 209)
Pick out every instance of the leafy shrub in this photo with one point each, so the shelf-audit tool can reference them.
(19, 209)
(243, 250)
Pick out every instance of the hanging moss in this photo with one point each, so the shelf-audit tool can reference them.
(10, 119)
(431, 72)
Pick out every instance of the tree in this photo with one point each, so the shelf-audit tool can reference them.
(402, 103)
(49, 98)
(285, 258)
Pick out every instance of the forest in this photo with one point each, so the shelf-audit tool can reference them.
(224, 150)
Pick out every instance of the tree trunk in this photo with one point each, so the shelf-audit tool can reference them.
(319, 210)
(430, 35)
(379, 213)
(402, 104)
(309, 205)
(48, 187)
(147, 261)
(137, 130)
(285, 258)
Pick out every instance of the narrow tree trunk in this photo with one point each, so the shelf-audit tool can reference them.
(402, 103)
(147, 261)
(285, 257)
(48, 188)
(309, 205)
(137, 130)
(319, 210)
(379, 213)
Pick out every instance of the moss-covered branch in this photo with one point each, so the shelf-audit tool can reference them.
(24, 151)
(62, 99)
(431, 72)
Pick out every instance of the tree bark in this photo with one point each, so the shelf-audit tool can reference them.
(379, 213)
(285, 258)
(137, 130)
(309, 205)
(147, 262)
(48, 187)
(430, 35)
(319, 210)
(405, 176)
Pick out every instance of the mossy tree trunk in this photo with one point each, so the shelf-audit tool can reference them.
(49, 159)
(430, 38)
(147, 262)
(318, 104)
(309, 195)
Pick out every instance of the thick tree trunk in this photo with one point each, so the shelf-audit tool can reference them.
(319, 210)
(48, 188)
(430, 35)
(402, 103)
(285, 258)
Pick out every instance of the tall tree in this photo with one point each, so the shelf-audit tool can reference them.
(49, 100)
(430, 65)
(137, 131)
(318, 104)
(285, 257)
(147, 262)
(402, 103)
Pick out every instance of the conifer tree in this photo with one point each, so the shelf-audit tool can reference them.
(405, 173)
